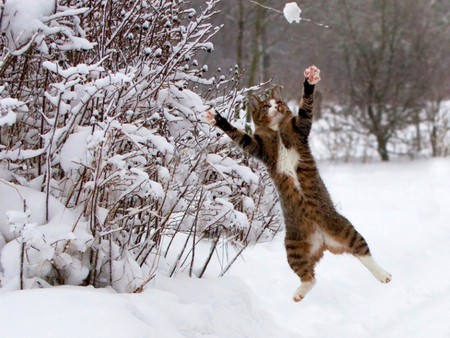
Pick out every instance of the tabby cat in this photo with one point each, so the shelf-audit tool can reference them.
(313, 225)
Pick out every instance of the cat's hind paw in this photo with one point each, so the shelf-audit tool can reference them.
(297, 298)
(312, 74)
(302, 290)
(377, 271)
(210, 117)
(384, 277)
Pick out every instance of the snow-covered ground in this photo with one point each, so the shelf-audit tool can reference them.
(402, 209)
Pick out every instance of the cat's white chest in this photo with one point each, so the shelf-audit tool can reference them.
(288, 162)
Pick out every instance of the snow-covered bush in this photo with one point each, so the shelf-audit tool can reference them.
(101, 109)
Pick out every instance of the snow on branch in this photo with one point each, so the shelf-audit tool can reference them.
(101, 110)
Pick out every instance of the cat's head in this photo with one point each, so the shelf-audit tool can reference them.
(268, 112)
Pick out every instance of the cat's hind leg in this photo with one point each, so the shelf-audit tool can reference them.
(347, 239)
(301, 262)
(303, 289)
(377, 271)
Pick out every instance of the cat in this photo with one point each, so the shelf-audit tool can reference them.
(312, 224)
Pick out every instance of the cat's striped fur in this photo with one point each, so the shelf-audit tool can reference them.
(313, 225)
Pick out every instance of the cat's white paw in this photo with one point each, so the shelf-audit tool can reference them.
(209, 117)
(384, 277)
(297, 298)
(377, 271)
(302, 290)
(312, 74)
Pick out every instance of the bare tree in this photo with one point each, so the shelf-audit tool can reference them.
(385, 47)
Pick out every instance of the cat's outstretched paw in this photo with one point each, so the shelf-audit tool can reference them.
(312, 74)
(210, 117)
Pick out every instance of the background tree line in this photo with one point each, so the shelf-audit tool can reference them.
(385, 64)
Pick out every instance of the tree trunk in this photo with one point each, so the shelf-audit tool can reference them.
(382, 148)
(240, 37)
(257, 51)
(257, 47)
(433, 140)
(418, 132)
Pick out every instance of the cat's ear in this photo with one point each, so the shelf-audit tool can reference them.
(253, 102)
(275, 93)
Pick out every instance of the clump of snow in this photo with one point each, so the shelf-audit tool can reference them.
(229, 166)
(74, 152)
(57, 242)
(9, 108)
(8, 119)
(292, 12)
(25, 22)
(22, 18)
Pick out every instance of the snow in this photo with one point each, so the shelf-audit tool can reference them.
(14, 197)
(24, 17)
(74, 152)
(401, 209)
(7, 107)
(228, 165)
(27, 22)
(113, 152)
(55, 239)
(171, 308)
(292, 12)
(9, 119)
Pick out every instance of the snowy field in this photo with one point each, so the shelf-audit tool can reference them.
(402, 209)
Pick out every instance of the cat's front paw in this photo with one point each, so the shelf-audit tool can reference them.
(312, 74)
(210, 117)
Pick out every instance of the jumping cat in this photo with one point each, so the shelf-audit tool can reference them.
(312, 223)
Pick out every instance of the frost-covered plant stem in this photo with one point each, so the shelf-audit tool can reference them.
(22, 265)
(49, 157)
(194, 232)
(210, 255)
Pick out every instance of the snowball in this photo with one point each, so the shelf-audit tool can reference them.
(292, 12)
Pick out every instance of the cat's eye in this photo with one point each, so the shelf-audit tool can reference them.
(266, 106)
